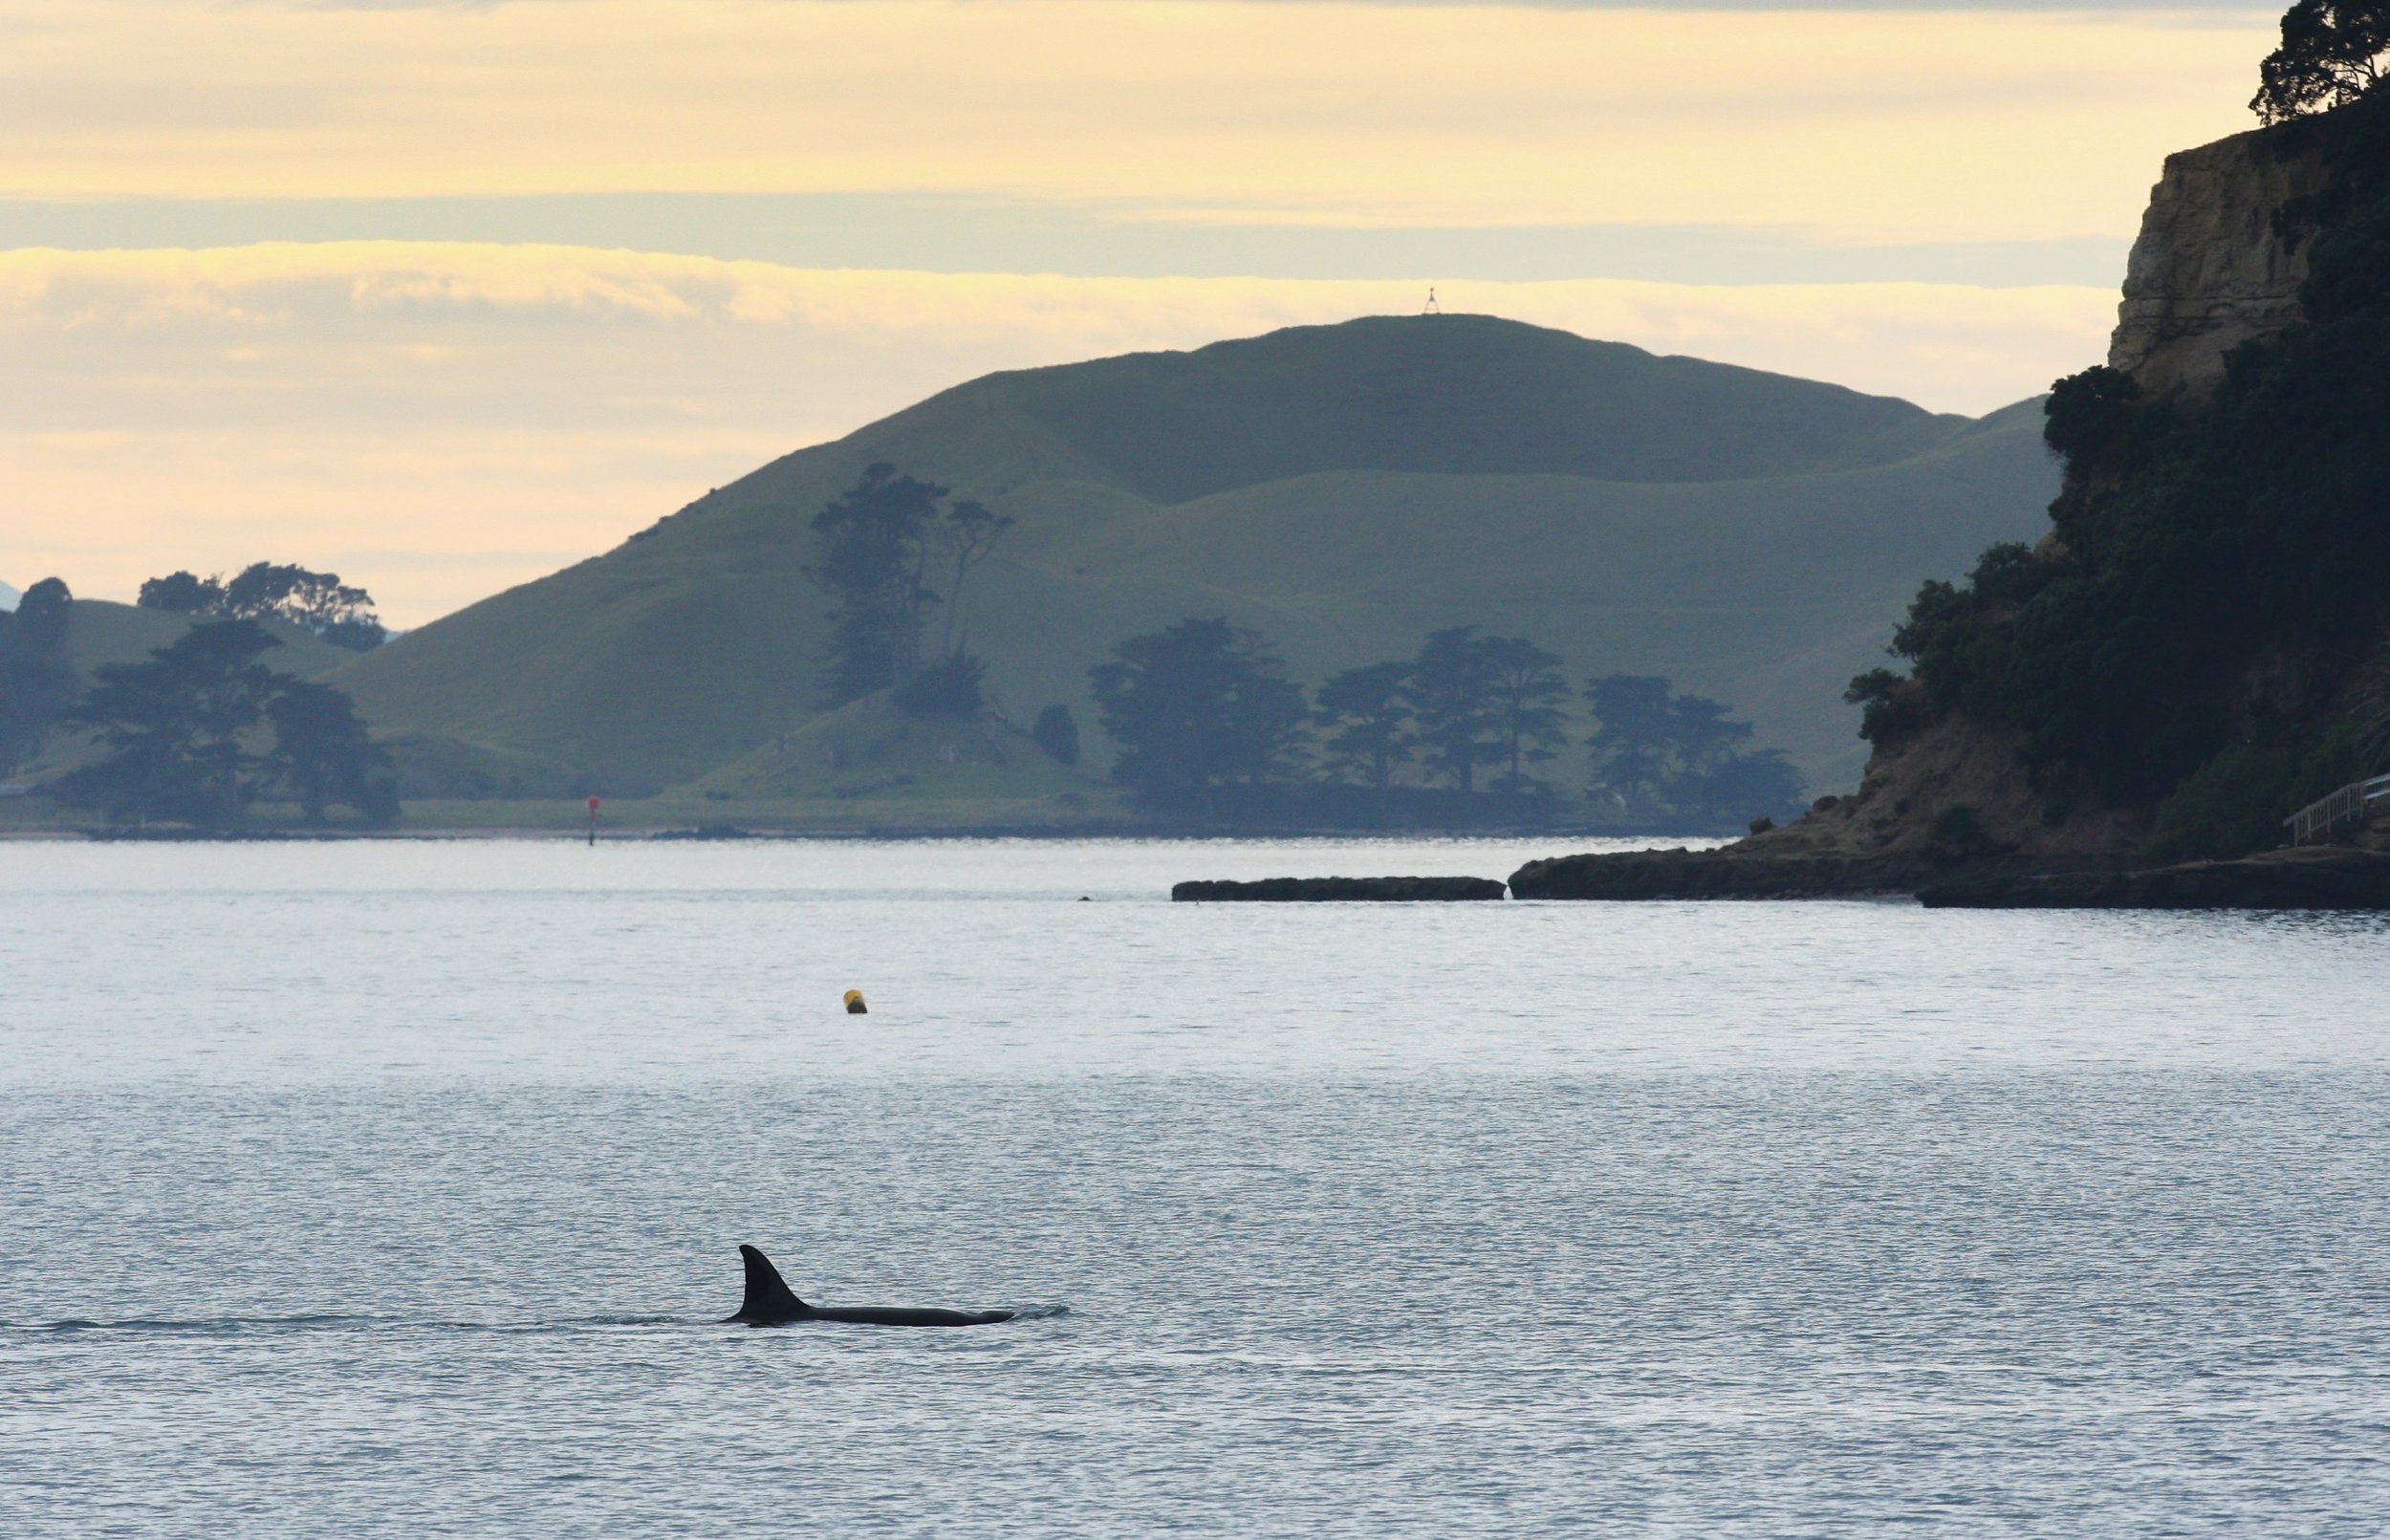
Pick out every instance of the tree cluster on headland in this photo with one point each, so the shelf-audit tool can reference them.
(202, 730)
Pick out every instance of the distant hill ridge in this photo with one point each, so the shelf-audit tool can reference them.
(1342, 488)
(1448, 395)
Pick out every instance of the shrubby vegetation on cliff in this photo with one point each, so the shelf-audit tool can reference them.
(2203, 635)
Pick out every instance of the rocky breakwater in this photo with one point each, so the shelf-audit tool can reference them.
(1339, 890)
(1734, 872)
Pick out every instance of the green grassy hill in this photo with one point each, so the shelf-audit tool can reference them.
(1343, 490)
(99, 632)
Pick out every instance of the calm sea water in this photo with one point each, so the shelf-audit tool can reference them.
(394, 1190)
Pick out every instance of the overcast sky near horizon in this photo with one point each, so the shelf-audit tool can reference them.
(444, 296)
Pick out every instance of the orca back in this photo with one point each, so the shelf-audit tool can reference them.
(903, 1316)
(767, 1299)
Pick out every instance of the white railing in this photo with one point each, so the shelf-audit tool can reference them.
(2320, 819)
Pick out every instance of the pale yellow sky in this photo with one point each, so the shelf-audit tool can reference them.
(1947, 125)
(544, 348)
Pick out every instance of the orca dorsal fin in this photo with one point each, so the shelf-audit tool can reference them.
(768, 1298)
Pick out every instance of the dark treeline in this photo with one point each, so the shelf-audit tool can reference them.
(1209, 724)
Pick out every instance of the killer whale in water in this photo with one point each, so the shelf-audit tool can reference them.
(770, 1303)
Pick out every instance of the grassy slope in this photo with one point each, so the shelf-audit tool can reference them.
(867, 750)
(99, 632)
(1343, 490)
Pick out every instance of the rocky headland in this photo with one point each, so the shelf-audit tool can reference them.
(1998, 778)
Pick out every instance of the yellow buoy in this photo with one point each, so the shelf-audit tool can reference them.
(854, 1006)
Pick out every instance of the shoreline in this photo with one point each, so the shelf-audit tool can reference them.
(673, 835)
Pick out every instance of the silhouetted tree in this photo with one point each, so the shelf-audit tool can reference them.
(875, 548)
(1701, 735)
(176, 728)
(1525, 694)
(2332, 53)
(1735, 788)
(1451, 691)
(967, 534)
(1662, 755)
(873, 553)
(323, 755)
(1367, 716)
(1196, 707)
(181, 593)
(184, 729)
(1056, 732)
(948, 688)
(1892, 706)
(35, 684)
(43, 611)
(317, 602)
(1632, 741)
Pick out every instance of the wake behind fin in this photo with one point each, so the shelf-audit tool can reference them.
(768, 1298)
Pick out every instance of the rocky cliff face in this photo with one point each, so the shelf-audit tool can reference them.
(1905, 807)
(2220, 258)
